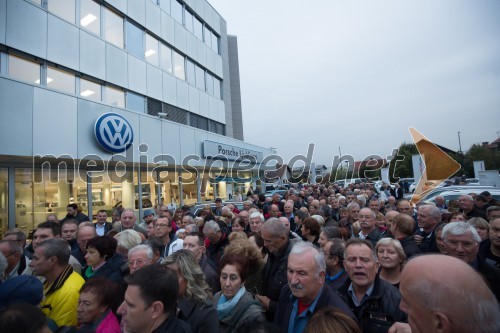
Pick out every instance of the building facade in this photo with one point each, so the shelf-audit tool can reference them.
(117, 103)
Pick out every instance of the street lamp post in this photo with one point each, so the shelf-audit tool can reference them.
(459, 144)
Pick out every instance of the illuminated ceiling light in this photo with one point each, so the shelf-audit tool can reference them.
(87, 93)
(89, 18)
(149, 53)
(48, 80)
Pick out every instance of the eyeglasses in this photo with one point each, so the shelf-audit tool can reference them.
(158, 225)
(138, 262)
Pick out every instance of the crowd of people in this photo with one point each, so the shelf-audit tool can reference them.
(322, 258)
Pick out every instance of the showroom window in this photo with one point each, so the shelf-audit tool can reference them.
(165, 58)
(65, 9)
(134, 40)
(90, 16)
(113, 28)
(135, 102)
(151, 53)
(60, 80)
(115, 97)
(179, 66)
(23, 69)
(90, 90)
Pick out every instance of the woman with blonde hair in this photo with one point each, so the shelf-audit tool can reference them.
(391, 257)
(482, 226)
(195, 303)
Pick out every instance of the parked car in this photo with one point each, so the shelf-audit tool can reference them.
(468, 189)
(453, 194)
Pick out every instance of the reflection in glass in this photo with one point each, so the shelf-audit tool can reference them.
(25, 70)
(188, 17)
(165, 5)
(135, 102)
(90, 90)
(177, 11)
(134, 42)
(198, 28)
(166, 58)
(179, 66)
(65, 9)
(207, 36)
(210, 84)
(60, 80)
(217, 88)
(151, 53)
(115, 97)
(4, 202)
(113, 28)
(200, 78)
(190, 72)
(90, 16)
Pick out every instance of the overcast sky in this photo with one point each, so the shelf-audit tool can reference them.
(358, 74)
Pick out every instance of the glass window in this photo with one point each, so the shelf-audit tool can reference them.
(165, 5)
(200, 78)
(113, 28)
(60, 80)
(38, 2)
(115, 97)
(217, 88)
(65, 9)
(179, 66)
(198, 28)
(25, 70)
(208, 36)
(90, 16)
(40, 193)
(135, 102)
(188, 17)
(135, 40)
(215, 43)
(90, 90)
(190, 73)
(4, 203)
(177, 11)
(165, 58)
(210, 84)
(151, 53)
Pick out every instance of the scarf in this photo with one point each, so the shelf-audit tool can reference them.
(225, 306)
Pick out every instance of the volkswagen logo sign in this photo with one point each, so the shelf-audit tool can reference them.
(113, 132)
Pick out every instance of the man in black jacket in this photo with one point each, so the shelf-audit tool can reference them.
(274, 277)
(374, 301)
(306, 292)
(151, 302)
(402, 230)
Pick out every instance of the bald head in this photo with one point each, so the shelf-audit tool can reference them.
(459, 305)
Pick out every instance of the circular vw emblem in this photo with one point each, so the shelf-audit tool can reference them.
(113, 132)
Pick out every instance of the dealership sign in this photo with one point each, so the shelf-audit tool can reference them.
(216, 150)
(113, 132)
